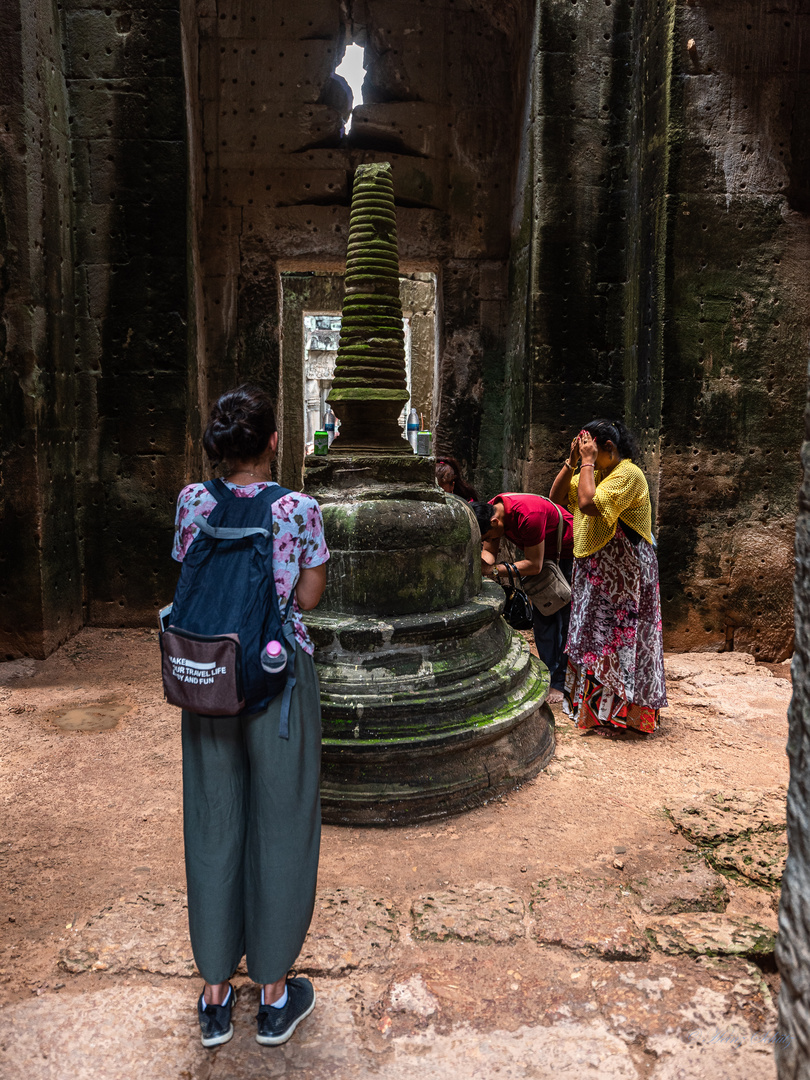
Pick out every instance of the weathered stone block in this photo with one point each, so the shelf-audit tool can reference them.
(151, 107)
(350, 929)
(669, 892)
(146, 931)
(315, 232)
(278, 20)
(482, 912)
(761, 857)
(724, 816)
(106, 44)
(131, 170)
(257, 71)
(708, 934)
(589, 916)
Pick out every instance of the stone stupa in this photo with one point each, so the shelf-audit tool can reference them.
(431, 703)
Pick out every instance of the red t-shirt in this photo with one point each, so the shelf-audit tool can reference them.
(530, 519)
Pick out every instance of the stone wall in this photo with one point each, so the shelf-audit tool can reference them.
(123, 68)
(589, 227)
(93, 293)
(659, 274)
(736, 340)
(612, 194)
(40, 560)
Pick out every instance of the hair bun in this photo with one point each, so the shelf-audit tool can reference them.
(240, 425)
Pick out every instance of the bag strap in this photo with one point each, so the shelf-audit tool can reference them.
(559, 533)
(222, 493)
(219, 489)
(517, 578)
(288, 633)
(560, 527)
(274, 491)
(224, 533)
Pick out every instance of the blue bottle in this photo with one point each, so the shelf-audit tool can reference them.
(412, 427)
(329, 425)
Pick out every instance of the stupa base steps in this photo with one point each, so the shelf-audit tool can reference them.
(429, 715)
(392, 787)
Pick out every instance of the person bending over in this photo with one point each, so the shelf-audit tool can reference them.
(531, 522)
(615, 674)
(251, 801)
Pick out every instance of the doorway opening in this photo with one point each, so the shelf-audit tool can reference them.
(311, 311)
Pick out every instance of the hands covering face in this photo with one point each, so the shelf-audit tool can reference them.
(587, 447)
(582, 447)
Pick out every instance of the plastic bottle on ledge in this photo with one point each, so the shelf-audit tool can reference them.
(412, 427)
(329, 425)
(274, 657)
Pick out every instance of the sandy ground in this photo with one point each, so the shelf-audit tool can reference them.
(612, 918)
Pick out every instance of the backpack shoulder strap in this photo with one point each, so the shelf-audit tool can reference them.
(219, 489)
(274, 492)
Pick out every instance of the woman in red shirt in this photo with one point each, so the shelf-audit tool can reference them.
(530, 522)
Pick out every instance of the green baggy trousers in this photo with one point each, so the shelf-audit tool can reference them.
(252, 831)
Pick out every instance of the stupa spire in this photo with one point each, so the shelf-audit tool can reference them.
(369, 388)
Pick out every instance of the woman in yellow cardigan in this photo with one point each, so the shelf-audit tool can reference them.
(615, 654)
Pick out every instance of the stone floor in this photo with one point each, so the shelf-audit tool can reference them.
(614, 918)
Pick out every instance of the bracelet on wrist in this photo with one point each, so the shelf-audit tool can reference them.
(587, 465)
(568, 465)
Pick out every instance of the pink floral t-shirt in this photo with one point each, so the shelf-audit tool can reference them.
(298, 540)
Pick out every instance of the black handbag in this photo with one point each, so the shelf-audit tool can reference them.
(518, 607)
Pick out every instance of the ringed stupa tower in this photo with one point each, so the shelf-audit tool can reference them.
(431, 703)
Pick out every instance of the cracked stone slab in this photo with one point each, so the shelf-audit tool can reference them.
(350, 929)
(481, 912)
(588, 916)
(114, 1033)
(145, 931)
(670, 892)
(712, 934)
(123, 1032)
(725, 815)
(760, 857)
(712, 1041)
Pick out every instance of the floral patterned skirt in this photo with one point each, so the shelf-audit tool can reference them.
(615, 672)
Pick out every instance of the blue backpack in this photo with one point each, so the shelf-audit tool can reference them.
(224, 612)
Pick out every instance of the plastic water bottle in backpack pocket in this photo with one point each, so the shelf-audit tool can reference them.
(202, 673)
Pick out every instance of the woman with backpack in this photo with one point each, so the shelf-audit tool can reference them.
(251, 800)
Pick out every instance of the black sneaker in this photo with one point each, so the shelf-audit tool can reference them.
(277, 1025)
(215, 1020)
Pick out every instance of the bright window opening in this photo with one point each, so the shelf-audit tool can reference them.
(352, 70)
